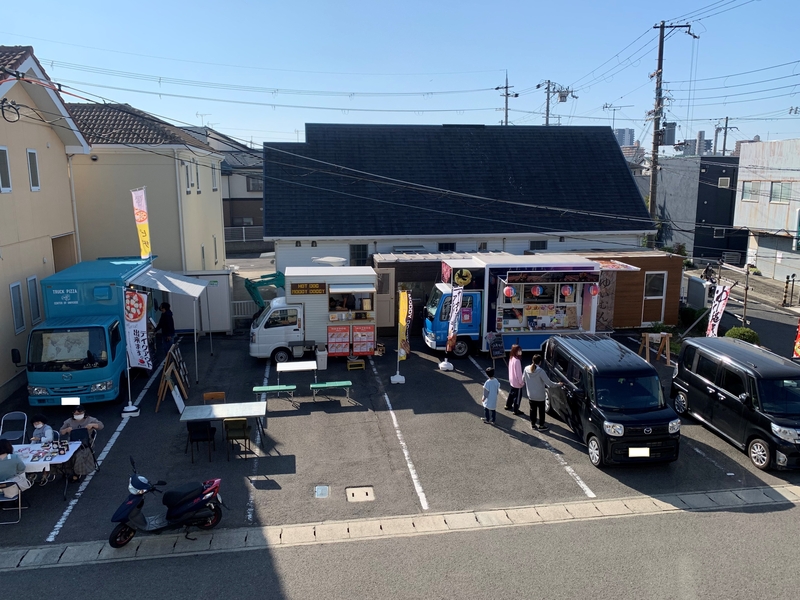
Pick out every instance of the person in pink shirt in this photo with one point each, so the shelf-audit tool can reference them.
(515, 379)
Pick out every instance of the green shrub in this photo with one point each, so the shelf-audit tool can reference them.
(743, 333)
(686, 315)
(688, 264)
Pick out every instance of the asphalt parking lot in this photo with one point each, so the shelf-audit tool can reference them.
(433, 430)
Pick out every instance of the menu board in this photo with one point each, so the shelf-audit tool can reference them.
(338, 340)
(363, 339)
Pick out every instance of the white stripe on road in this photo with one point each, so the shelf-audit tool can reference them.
(559, 457)
(423, 501)
(100, 459)
(251, 500)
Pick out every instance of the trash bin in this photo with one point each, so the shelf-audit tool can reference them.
(322, 358)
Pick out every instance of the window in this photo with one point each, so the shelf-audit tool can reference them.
(654, 284)
(706, 368)
(187, 169)
(33, 299)
(688, 357)
(5, 171)
(16, 307)
(282, 318)
(197, 174)
(562, 362)
(538, 245)
(214, 186)
(719, 232)
(447, 247)
(483, 247)
(33, 170)
(466, 303)
(724, 182)
(751, 190)
(255, 184)
(115, 337)
(242, 221)
(732, 382)
(358, 255)
(781, 191)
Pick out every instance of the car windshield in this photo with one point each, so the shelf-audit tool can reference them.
(629, 393)
(780, 397)
(75, 349)
(261, 316)
(433, 303)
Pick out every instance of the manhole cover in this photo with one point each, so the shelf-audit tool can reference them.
(360, 494)
(321, 491)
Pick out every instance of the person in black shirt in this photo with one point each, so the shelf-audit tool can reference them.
(167, 326)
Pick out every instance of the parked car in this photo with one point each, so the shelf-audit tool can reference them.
(745, 394)
(612, 399)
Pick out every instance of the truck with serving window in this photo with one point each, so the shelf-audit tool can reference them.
(79, 349)
(328, 309)
(526, 299)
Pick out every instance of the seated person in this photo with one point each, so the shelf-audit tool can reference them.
(42, 432)
(82, 462)
(80, 420)
(12, 469)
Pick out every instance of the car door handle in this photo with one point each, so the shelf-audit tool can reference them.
(720, 397)
(711, 390)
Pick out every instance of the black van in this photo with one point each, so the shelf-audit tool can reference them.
(612, 399)
(746, 394)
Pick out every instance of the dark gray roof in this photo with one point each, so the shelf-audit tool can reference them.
(578, 168)
(11, 57)
(123, 124)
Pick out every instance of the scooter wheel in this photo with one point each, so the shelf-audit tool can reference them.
(121, 535)
(213, 520)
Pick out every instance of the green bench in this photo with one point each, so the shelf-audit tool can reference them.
(345, 385)
(275, 389)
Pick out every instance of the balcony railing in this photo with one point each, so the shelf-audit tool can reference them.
(252, 233)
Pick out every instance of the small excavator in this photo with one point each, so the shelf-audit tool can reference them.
(252, 286)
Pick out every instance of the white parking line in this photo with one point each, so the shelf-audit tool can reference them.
(423, 500)
(251, 500)
(559, 457)
(100, 459)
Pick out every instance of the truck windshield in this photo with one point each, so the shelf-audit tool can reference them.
(433, 303)
(260, 318)
(780, 397)
(73, 349)
(629, 393)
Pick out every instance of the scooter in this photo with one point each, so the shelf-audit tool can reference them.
(190, 505)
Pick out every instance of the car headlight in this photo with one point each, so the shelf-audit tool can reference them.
(785, 433)
(614, 429)
(675, 426)
(35, 390)
(103, 386)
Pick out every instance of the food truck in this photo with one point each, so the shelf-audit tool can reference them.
(525, 299)
(331, 307)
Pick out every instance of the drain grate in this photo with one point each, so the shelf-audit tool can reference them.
(321, 491)
(360, 494)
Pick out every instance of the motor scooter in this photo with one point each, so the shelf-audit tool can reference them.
(191, 504)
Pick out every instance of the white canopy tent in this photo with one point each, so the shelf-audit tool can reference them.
(173, 283)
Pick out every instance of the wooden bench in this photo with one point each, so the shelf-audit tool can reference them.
(345, 385)
(275, 389)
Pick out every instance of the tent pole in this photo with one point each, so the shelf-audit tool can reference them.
(196, 370)
(128, 363)
(208, 311)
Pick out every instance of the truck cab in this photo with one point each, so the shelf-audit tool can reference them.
(437, 318)
(277, 331)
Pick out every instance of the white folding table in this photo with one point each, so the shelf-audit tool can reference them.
(235, 410)
(296, 367)
(28, 451)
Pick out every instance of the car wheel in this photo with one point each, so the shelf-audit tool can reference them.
(595, 451)
(681, 403)
(548, 408)
(121, 535)
(281, 355)
(759, 453)
(461, 349)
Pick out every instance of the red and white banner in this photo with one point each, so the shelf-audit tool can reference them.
(455, 317)
(796, 351)
(136, 330)
(721, 294)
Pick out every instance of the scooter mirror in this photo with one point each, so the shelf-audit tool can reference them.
(161, 482)
(133, 464)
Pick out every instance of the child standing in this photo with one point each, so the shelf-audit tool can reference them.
(490, 389)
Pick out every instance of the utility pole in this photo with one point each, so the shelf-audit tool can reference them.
(506, 94)
(614, 110)
(657, 112)
(725, 135)
(552, 89)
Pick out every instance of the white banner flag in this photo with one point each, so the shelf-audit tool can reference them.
(136, 330)
(721, 294)
(455, 317)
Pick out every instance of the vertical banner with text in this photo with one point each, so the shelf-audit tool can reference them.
(404, 324)
(142, 225)
(721, 294)
(796, 351)
(455, 317)
(136, 330)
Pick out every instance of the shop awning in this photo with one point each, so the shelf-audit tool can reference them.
(352, 288)
(173, 283)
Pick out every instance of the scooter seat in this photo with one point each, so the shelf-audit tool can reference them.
(184, 493)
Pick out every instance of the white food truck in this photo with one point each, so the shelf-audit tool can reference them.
(322, 306)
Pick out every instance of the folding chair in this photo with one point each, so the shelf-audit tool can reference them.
(13, 426)
(236, 429)
(16, 500)
(211, 397)
(200, 431)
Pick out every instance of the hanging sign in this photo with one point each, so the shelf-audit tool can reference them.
(136, 330)
(142, 225)
(721, 294)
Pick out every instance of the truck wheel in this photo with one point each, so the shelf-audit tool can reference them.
(462, 348)
(281, 355)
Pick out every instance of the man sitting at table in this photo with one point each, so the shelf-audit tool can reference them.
(12, 469)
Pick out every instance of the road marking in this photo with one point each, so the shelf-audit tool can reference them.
(781, 497)
(711, 460)
(251, 500)
(559, 457)
(110, 444)
(423, 500)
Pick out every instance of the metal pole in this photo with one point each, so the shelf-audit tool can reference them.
(208, 310)
(724, 137)
(196, 370)
(791, 294)
(746, 289)
(547, 109)
(785, 291)
(656, 132)
(506, 97)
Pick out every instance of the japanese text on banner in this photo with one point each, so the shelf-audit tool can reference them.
(142, 225)
(136, 330)
(721, 293)
(455, 317)
(404, 324)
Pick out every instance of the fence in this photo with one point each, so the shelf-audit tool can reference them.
(244, 234)
(243, 309)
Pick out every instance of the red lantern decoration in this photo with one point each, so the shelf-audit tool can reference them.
(508, 291)
(594, 289)
(566, 290)
(537, 290)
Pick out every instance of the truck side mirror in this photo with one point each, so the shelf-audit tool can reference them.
(16, 358)
(746, 399)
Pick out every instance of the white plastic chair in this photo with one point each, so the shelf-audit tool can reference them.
(13, 426)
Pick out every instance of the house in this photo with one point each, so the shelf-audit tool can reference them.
(695, 206)
(768, 204)
(352, 191)
(131, 149)
(39, 142)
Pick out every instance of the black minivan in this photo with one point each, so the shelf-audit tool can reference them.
(744, 393)
(612, 400)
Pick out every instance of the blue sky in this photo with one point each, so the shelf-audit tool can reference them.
(418, 62)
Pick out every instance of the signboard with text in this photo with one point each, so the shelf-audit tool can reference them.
(299, 289)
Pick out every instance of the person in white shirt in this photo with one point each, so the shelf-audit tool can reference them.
(536, 380)
(490, 389)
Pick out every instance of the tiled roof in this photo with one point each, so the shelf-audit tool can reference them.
(509, 168)
(123, 124)
(11, 57)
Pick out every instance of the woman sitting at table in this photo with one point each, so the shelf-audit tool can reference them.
(42, 432)
(79, 420)
(12, 469)
(82, 462)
